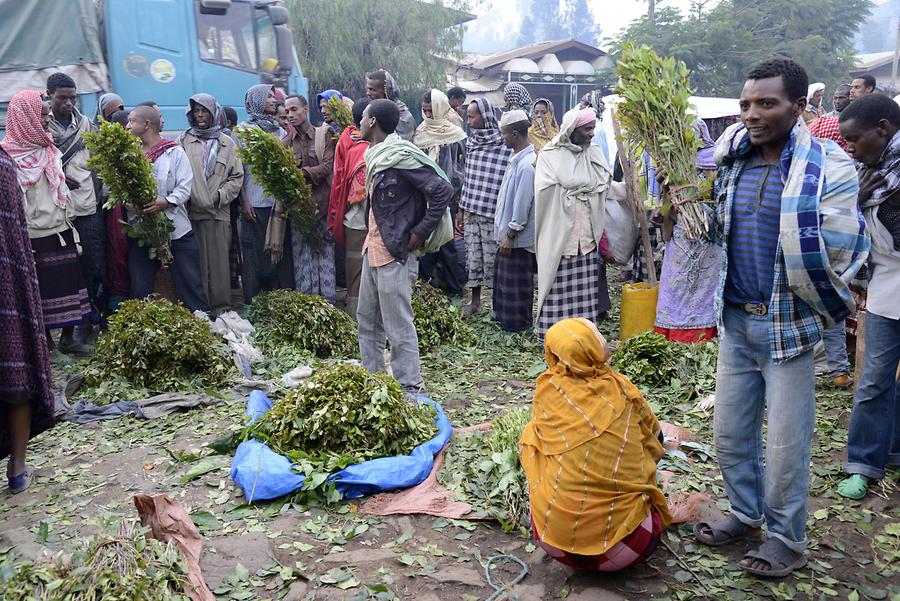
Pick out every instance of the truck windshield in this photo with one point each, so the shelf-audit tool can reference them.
(233, 39)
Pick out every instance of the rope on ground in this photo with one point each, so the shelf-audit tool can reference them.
(499, 590)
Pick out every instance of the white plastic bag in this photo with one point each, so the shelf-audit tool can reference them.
(621, 230)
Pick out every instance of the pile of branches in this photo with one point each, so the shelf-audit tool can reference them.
(483, 470)
(122, 567)
(306, 323)
(274, 169)
(438, 322)
(342, 416)
(116, 156)
(159, 346)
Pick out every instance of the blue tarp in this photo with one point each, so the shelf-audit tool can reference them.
(264, 474)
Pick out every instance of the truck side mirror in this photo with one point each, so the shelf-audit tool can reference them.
(284, 42)
(278, 14)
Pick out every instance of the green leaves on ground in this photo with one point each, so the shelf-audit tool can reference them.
(671, 371)
(437, 321)
(116, 155)
(341, 416)
(120, 567)
(156, 345)
(483, 470)
(286, 318)
(274, 169)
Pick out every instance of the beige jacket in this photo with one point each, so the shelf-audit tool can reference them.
(211, 197)
(43, 215)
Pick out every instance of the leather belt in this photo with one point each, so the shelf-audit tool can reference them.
(758, 309)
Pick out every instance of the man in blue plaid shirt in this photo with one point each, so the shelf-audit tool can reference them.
(792, 236)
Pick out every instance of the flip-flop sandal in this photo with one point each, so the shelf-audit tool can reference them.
(722, 532)
(855, 487)
(782, 560)
(19, 483)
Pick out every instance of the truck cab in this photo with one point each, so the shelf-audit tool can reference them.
(160, 50)
(168, 50)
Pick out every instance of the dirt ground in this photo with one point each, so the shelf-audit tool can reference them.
(86, 476)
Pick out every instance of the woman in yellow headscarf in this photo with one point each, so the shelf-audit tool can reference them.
(543, 123)
(589, 454)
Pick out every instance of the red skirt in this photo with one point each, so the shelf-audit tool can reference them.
(695, 335)
(630, 551)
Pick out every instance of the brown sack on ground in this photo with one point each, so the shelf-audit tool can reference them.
(169, 522)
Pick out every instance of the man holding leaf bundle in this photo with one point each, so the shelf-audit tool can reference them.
(407, 197)
(172, 172)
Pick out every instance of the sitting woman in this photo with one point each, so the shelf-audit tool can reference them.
(589, 454)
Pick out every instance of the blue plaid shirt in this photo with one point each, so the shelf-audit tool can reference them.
(795, 327)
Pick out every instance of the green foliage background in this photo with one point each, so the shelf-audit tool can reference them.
(720, 42)
(338, 41)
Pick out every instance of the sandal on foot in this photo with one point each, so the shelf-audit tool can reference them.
(782, 560)
(19, 483)
(855, 487)
(722, 532)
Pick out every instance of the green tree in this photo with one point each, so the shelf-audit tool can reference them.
(721, 44)
(580, 22)
(338, 41)
(542, 21)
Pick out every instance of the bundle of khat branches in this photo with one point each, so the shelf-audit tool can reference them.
(654, 114)
(273, 167)
(121, 567)
(117, 157)
(339, 113)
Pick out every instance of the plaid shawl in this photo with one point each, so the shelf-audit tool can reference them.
(486, 161)
(822, 242)
(889, 168)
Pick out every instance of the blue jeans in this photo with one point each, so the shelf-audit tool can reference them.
(749, 386)
(874, 437)
(835, 340)
(185, 271)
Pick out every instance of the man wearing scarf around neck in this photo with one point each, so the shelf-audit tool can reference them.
(487, 158)
(172, 172)
(792, 236)
(871, 126)
(68, 127)
(407, 197)
(218, 177)
(263, 240)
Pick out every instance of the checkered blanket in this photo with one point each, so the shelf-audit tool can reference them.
(822, 243)
(486, 161)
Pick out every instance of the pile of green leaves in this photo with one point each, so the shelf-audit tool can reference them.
(159, 346)
(306, 323)
(343, 415)
(483, 470)
(673, 371)
(273, 167)
(654, 114)
(120, 567)
(116, 156)
(339, 113)
(438, 322)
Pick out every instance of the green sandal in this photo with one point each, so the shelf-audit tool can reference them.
(855, 487)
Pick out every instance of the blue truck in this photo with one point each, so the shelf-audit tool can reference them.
(160, 50)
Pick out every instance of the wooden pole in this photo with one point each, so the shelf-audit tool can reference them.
(632, 186)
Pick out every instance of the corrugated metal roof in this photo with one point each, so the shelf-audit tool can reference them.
(535, 52)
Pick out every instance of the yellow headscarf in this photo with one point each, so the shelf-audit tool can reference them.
(544, 129)
(438, 130)
(590, 450)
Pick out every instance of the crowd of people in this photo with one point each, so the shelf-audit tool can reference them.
(803, 198)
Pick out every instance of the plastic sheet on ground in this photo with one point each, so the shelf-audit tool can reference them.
(263, 474)
(83, 412)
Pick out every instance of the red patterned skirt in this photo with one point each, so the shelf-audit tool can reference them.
(693, 335)
(630, 551)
